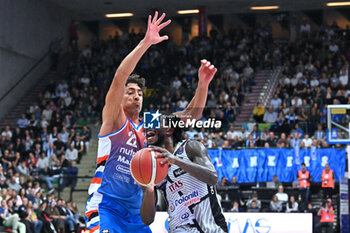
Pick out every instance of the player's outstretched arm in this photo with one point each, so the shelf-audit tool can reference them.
(200, 167)
(195, 108)
(113, 116)
(148, 206)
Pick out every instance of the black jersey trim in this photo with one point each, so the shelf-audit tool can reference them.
(216, 209)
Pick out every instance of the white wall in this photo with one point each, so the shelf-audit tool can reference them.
(26, 29)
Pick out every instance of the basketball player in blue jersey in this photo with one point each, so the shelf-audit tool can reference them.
(189, 188)
(115, 198)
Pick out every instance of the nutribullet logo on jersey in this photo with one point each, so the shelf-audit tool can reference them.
(153, 121)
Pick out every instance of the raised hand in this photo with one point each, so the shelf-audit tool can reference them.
(152, 35)
(206, 72)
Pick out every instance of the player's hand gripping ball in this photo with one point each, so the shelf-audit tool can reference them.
(146, 169)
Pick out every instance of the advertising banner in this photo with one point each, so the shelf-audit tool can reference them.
(260, 165)
(252, 222)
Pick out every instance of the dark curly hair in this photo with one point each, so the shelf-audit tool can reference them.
(178, 132)
(135, 78)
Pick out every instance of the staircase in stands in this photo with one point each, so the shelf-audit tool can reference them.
(266, 82)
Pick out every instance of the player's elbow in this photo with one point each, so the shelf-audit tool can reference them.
(213, 179)
(147, 220)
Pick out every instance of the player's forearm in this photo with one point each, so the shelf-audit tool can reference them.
(195, 108)
(129, 63)
(148, 206)
(200, 172)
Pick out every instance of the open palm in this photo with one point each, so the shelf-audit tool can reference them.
(152, 35)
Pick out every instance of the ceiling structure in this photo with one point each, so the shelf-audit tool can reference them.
(96, 9)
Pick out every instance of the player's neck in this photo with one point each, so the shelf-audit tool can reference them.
(134, 118)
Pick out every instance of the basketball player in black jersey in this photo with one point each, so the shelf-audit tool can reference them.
(189, 188)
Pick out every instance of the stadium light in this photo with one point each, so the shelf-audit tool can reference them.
(264, 8)
(338, 4)
(183, 12)
(119, 15)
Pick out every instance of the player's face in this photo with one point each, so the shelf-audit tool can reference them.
(155, 137)
(133, 98)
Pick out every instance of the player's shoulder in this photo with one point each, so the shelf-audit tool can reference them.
(194, 148)
(109, 129)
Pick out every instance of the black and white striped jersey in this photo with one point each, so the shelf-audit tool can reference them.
(192, 204)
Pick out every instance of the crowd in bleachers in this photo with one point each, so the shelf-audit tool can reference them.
(315, 74)
(39, 156)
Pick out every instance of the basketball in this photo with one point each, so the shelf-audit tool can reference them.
(146, 169)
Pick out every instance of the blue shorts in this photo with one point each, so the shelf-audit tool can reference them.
(105, 215)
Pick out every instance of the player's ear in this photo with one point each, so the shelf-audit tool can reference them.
(169, 132)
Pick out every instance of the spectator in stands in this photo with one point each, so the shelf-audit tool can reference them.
(224, 182)
(343, 79)
(23, 170)
(256, 135)
(43, 163)
(59, 145)
(272, 140)
(79, 145)
(71, 153)
(276, 181)
(258, 112)
(295, 140)
(291, 119)
(13, 184)
(275, 102)
(292, 205)
(241, 135)
(11, 220)
(300, 92)
(85, 137)
(23, 122)
(7, 132)
(54, 174)
(307, 141)
(282, 197)
(235, 207)
(65, 215)
(250, 142)
(270, 116)
(253, 207)
(320, 134)
(275, 204)
(218, 139)
(191, 132)
(230, 133)
(327, 179)
(64, 135)
(57, 219)
(326, 212)
(255, 199)
(33, 219)
(70, 176)
(207, 142)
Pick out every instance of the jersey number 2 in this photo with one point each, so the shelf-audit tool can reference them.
(132, 140)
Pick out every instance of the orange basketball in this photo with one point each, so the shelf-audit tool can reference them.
(146, 169)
